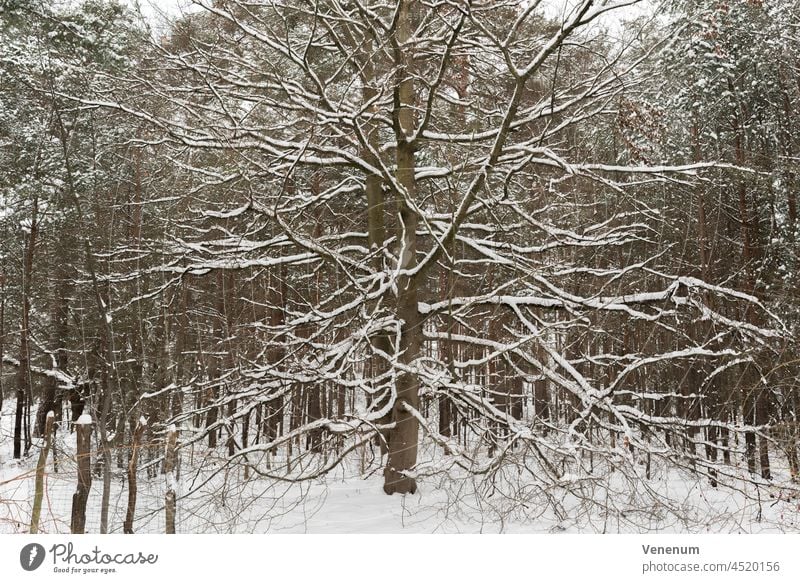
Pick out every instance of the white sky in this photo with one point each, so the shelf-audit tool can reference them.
(157, 10)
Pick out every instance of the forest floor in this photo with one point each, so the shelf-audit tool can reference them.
(215, 498)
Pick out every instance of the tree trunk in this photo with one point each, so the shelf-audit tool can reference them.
(23, 372)
(170, 461)
(404, 435)
(53, 395)
(84, 443)
(40, 467)
(127, 528)
(762, 419)
(2, 327)
(376, 231)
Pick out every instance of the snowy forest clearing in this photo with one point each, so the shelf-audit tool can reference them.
(219, 500)
(268, 264)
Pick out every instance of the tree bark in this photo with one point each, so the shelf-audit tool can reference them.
(170, 461)
(40, 467)
(127, 528)
(23, 377)
(404, 435)
(84, 442)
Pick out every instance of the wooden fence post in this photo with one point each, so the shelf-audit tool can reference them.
(39, 490)
(83, 429)
(169, 471)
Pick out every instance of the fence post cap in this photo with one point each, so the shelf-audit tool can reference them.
(84, 419)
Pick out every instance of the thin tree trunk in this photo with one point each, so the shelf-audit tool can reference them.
(53, 395)
(111, 375)
(762, 418)
(23, 371)
(83, 430)
(2, 327)
(170, 461)
(141, 425)
(40, 467)
(105, 450)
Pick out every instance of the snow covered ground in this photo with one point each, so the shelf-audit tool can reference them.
(216, 499)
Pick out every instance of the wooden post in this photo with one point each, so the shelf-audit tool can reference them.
(83, 429)
(127, 527)
(39, 491)
(169, 471)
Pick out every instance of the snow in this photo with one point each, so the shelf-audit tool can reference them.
(216, 499)
(84, 419)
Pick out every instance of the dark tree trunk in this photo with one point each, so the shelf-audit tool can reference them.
(402, 456)
(84, 442)
(127, 527)
(23, 379)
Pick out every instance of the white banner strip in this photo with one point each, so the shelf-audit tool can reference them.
(400, 558)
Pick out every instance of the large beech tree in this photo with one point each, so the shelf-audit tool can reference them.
(384, 146)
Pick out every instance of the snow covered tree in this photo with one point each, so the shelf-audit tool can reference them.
(485, 242)
(358, 156)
